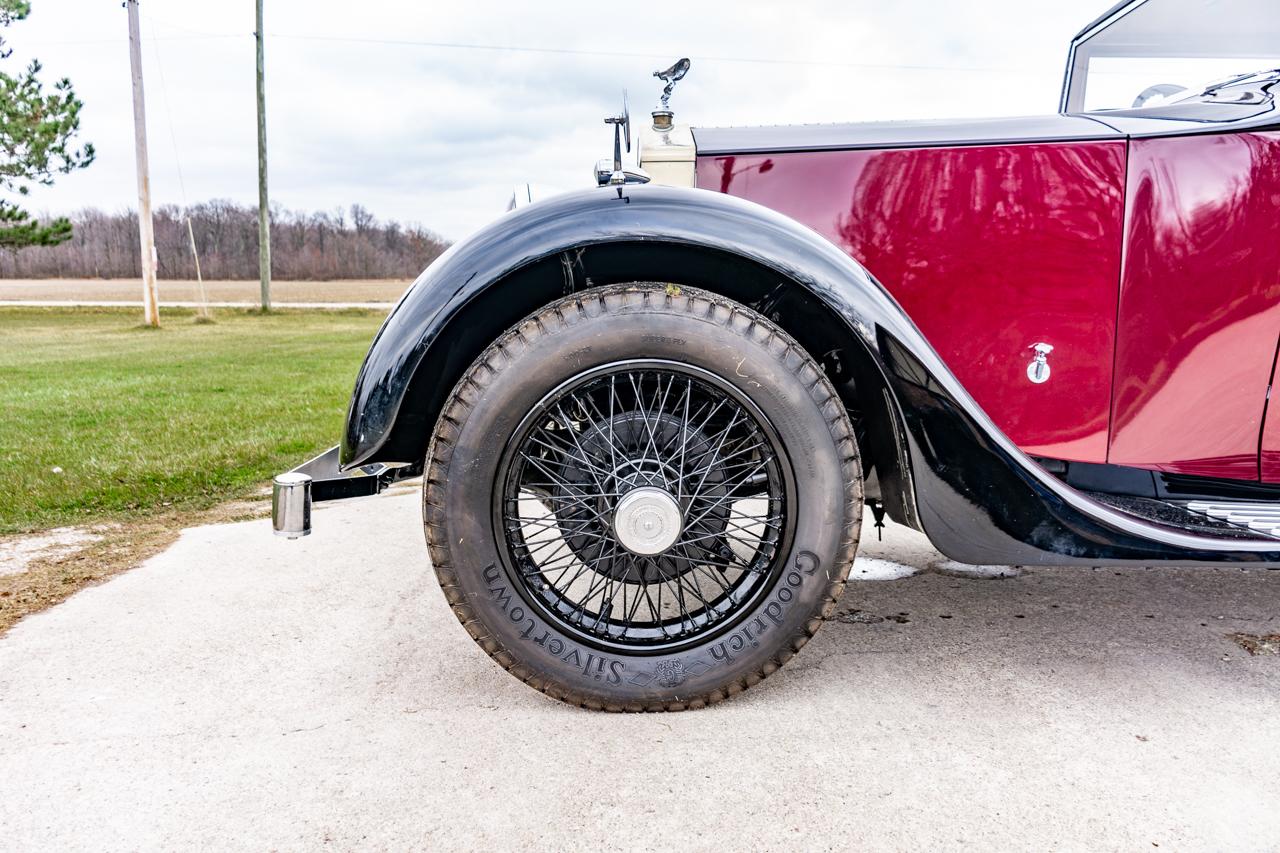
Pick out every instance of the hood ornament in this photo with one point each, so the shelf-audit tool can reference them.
(662, 116)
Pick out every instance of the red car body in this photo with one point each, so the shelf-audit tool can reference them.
(1152, 266)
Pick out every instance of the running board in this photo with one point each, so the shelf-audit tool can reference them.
(1261, 518)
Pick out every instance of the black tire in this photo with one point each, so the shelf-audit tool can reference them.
(798, 575)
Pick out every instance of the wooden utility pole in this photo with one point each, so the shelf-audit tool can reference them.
(146, 231)
(264, 221)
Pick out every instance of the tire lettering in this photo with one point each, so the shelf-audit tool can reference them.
(774, 611)
(805, 564)
(502, 596)
(595, 666)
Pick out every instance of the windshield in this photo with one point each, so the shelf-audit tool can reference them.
(1142, 45)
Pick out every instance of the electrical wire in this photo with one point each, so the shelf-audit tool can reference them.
(198, 35)
(635, 55)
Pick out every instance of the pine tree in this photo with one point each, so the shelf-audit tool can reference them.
(36, 141)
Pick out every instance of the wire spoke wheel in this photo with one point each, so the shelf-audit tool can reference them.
(644, 505)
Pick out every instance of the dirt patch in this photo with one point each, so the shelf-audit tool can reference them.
(854, 616)
(54, 573)
(17, 553)
(1257, 644)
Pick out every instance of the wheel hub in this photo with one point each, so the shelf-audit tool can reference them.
(647, 521)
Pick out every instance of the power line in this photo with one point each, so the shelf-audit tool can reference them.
(198, 35)
(195, 35)
(631, 55)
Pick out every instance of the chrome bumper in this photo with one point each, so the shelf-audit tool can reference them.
(319, 479)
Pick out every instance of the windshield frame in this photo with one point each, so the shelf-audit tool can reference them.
(1087, 45)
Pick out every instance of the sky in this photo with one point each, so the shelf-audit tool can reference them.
(365, 104)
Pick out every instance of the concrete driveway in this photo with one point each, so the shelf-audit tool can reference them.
(241, 691)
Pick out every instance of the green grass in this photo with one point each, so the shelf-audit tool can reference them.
(185, 416)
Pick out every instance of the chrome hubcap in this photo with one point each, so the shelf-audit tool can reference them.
(648, 521)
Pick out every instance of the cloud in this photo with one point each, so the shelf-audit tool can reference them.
(439, 136)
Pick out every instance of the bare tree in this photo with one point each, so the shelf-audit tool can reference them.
(305, 246)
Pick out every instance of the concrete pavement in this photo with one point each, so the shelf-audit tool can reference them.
(241, 691)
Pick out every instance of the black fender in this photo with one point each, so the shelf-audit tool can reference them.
(944, 466)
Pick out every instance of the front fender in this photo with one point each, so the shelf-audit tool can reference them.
(689, 217)
(974, 493)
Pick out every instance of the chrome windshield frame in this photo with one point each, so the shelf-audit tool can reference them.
(1094, 41)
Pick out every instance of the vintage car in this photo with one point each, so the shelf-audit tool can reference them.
(649, 415)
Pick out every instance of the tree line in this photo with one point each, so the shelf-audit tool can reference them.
(315, 246)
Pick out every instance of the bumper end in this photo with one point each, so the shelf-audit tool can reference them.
(321, 479)
(291, 505)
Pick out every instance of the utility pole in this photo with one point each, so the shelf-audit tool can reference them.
(264, 222)
(146, 231)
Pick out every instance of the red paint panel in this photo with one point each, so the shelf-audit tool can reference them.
(990, 250)
(1199, 303)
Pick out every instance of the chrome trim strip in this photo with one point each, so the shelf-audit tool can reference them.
(1260, 517)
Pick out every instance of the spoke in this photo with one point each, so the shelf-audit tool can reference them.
(600, 483)
(684, 440)
(730, 523)
(700, 561)
(720, 501)
(719, 462)
(560, 481)
(606, 604)
(693, 588)
(581, 492)
(591, 408)
(582, 529)
(644, 416)
(613, 398)
(582, 569)
(697, 566)
(630, 615)
(723, 434)
(706, 536)
(679, 595)
(564, 451)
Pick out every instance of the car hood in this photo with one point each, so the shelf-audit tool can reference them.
(898, 134)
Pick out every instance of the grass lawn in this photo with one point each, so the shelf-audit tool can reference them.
(142, 421)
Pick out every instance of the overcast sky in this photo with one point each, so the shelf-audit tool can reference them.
(357, 112)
